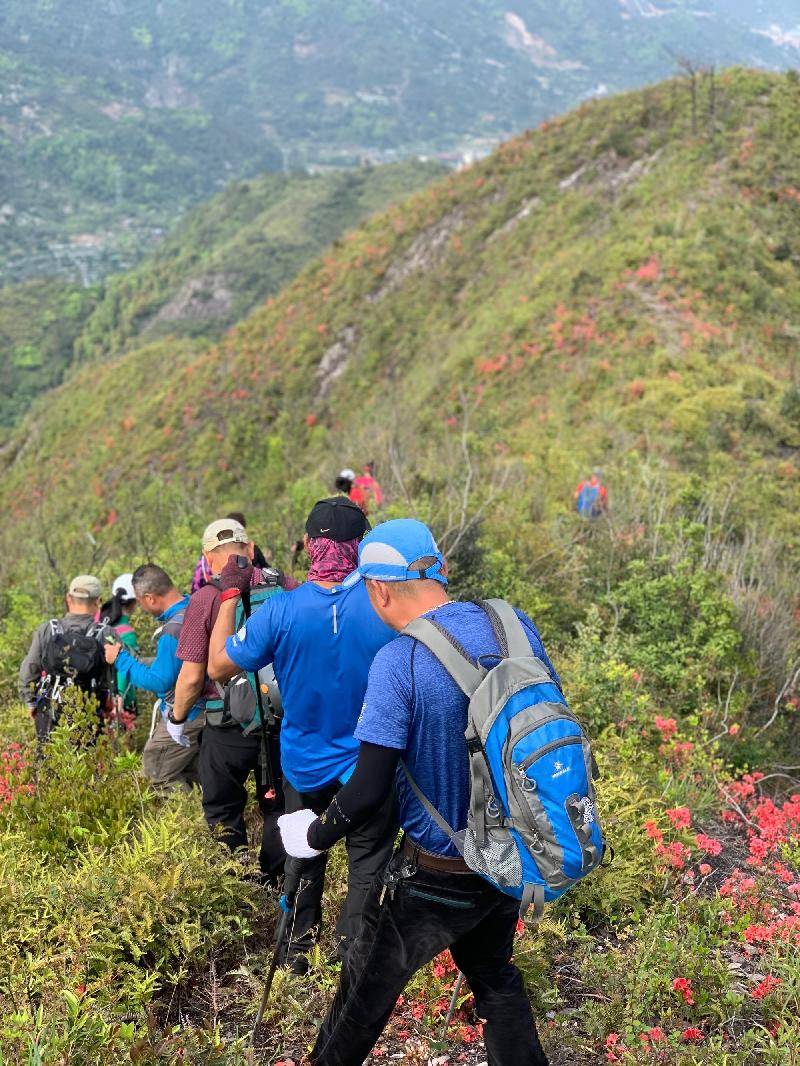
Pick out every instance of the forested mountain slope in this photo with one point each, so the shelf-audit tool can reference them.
(225, 257)
(609, 286)
(620, 287)
(115, 115)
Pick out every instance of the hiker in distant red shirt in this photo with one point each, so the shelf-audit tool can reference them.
(366, 491)
(591, 496)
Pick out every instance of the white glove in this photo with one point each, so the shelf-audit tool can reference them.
(294, 834)
(176, 732)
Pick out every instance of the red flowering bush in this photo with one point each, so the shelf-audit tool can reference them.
(14, 770)
(683, 987)
(692, 1035)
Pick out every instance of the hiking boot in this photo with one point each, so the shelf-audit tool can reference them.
(298, 965)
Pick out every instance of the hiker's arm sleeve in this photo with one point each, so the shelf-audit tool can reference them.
(31, 669)
(161, 675)
(369, 785)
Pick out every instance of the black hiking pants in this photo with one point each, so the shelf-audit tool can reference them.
(369, 849)
(420, 916)
(227, 758)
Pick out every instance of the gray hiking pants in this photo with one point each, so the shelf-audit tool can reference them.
(166, 763)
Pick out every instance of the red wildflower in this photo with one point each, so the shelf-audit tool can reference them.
(649, 271)
(708, 844)
(667, 727)
(470, 1034)
(683, 986)
(692, 1035)
(675, 854)
(611, 1045)
(759, 849)
(653, 831)
(769, 984)
(681, 817)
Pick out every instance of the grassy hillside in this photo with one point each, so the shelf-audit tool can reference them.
(227, 256)
(608, 286)
(241, 247)
(114, 118)
(621, 288)
(40, 321)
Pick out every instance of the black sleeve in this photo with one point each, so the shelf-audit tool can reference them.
(353, 804)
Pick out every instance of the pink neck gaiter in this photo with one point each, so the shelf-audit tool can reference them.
(331, 560)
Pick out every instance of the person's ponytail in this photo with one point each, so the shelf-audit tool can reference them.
(112, 610)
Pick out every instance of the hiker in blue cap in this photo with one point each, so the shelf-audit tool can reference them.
(321, 639)
(428, 899)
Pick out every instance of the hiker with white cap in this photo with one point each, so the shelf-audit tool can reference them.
(230, 750)
(321, 639)
(412, 737)
(344, 481)
(116, 613)
(67, 652)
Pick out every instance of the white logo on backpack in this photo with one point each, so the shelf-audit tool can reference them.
(560, 769)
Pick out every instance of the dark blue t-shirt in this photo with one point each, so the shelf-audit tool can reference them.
(413, 705)
(321, 643)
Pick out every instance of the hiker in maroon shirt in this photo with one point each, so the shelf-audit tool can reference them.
(228, 755)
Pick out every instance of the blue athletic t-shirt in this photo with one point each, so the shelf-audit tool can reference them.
(321, 643)
(413, 705)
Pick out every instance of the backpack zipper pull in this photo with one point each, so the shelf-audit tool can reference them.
(527, 784)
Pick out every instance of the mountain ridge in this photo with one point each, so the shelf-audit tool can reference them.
(116, 118)
(610, 263)
(220, 261)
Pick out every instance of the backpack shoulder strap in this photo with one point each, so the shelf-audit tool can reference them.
(508, 629)
(449, 652)
(172, 626)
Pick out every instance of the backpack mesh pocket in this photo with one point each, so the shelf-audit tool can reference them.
(498, 859)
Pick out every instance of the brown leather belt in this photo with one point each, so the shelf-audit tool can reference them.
(441, 864)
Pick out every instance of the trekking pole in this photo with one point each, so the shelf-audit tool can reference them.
(268, 780)
(113, 684)
(291, 887)
(453, 1000)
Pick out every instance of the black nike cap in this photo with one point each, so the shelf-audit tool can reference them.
(337, 519)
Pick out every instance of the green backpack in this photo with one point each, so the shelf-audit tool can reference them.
(240, 702)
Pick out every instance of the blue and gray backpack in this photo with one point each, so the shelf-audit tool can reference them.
(588, 503)
(533, 828)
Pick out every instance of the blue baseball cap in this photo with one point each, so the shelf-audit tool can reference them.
(400, 550)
